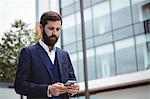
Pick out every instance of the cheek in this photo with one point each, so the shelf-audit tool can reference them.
(49, 32)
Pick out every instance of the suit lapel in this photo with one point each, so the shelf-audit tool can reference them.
(61, 68)
(42, 54)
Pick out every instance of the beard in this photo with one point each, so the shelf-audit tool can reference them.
(49, 40)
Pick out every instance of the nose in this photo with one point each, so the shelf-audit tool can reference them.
(54, 31)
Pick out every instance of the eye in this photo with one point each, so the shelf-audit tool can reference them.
(57, 29)
(51, 28)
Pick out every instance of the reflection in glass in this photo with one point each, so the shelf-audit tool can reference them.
(78, 25)
(121, 13)
(141, 11)
(70, 47)
(125, 56)
(105, 61)
(123, 33)
(80, 66)
(142, 53)
(73, 57)
(101, 14)
(91, 64)
(88, 22)
(68, 27)
(65, 3)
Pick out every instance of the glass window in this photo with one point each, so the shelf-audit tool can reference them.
(65, 3)
(121, 13)
(105, 65)
(96, 1)
(148, 48)
(142, 53)
(86, 3)
(78, 26)
(71, 47)
(79, 45)
(77, 6)
(102, 39)
(80, 67)
(88, 22)
(139, 28)
(125, 56)
(68, 27)
(67, 10)
(43, 6)
(73, 57)
(91, 64)
(89, 43)
(101, 14)
(123, 33)
(141, 11)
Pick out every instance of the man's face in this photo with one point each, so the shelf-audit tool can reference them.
(51, 32)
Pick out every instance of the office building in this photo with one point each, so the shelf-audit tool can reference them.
(117, 45)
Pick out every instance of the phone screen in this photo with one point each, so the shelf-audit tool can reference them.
(70, 82)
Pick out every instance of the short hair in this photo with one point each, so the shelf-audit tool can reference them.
(50, 16)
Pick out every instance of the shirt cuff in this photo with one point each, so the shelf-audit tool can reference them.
(48, 91)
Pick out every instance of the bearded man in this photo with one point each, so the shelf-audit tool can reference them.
(43, 69)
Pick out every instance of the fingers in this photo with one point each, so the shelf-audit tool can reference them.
(73, 89)
(57, 89)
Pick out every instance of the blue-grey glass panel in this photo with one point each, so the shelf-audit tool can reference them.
(121, 13)
(77, 6)
(67, 10)
(142, 52)
(123, 33)
(102, 24)
(148, 48)
(97, 1)
(69, 35)
(125, 56)
(88, 22)
(89, 42)
(88, 29)
(65, 3)
(71, 47)
(80, 67)
(104, 38)
(105, 64)
(101, 18)
(139, 28)
(140, 11)
(78, 25)
(74, 61)
(86, 3)
(91, 64)
(78, 32)
(79, 45)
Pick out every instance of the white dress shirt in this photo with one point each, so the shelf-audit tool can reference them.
(51, 55)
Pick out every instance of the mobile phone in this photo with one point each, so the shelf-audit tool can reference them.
(70, 82)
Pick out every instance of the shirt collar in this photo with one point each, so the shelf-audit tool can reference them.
(46, 48)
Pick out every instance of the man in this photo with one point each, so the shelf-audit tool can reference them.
(43, 69)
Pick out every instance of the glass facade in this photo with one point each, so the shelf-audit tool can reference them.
(117, 36)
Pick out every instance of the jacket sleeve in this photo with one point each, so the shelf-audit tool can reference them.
(23, 84)
(71, 70)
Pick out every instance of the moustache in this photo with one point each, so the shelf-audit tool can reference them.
(52, 36)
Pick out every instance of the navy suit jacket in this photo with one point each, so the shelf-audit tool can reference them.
(33, 74)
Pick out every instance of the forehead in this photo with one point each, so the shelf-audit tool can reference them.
(54, 23)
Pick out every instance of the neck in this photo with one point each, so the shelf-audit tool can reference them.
(50, 48)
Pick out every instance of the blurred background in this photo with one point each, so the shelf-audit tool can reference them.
(117, 35)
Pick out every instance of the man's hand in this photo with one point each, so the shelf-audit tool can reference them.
(57, 89)
(73, 89)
